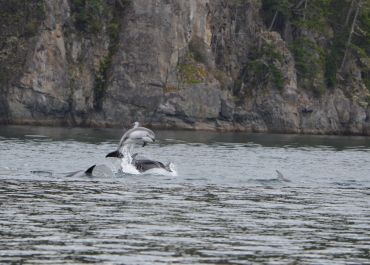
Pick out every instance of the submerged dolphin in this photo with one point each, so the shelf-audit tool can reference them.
(144, 164)
(136, 135)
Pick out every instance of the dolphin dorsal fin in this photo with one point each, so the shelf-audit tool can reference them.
(281, 176)
(90, 170)
(116, 154)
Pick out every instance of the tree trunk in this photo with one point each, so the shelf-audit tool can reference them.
(350, 34)
(304, 11)
(299, 4)
(273, 20)
(349, 13)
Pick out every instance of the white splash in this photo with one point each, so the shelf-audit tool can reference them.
(114, 164)
(173, 169)
(126, 162)
(128, 168)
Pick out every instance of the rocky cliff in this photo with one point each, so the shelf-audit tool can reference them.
(243, 65)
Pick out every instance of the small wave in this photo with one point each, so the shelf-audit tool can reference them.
(268, 181)
(42, 173)
(35, 136)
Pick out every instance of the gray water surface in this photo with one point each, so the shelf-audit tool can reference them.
(226, 206)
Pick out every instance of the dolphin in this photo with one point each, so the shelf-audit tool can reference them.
(143, 164)
(136, 135)
(95, 170)
(281, 176)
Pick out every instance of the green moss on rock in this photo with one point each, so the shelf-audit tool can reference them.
(191, 73)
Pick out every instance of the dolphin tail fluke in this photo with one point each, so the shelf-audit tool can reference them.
(90, 170)
(116, 154)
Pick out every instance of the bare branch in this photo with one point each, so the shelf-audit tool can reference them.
(304, 11)
(350, 10)
(350, 34)
(273, 20)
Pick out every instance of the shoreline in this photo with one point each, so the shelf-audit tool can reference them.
(197, 127)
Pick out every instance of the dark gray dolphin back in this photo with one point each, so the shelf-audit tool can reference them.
(116, 154)
(143, 165)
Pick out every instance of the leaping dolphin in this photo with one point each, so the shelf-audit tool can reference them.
(136, 135)
(144, 164)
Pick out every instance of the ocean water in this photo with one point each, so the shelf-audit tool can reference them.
(225, 204)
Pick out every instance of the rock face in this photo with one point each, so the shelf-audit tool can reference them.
(196, 64)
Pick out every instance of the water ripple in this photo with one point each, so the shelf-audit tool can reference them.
(225, 207)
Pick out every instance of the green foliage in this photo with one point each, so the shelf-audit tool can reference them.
(22, 17)
(262, 67)
(361, 42)
(278, 13)
(258, 70)
(87, 15)
(268, 50)
(309, 15)
(277, 77)
(100, 82)
(333, 62)
(270, 7)
(312, 17)
(242, 3)
(366, 78)
(113, 29)
(325, 18)
(310, 63)
(337, 46)
(197, 49)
